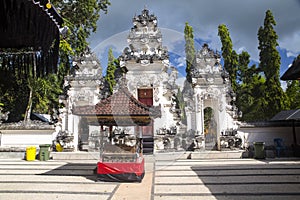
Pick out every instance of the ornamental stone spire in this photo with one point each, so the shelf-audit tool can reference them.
(144, 40)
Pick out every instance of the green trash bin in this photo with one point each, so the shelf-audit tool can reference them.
(259, 150)
(44, 152)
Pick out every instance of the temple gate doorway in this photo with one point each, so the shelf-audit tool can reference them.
(210, 129)
(145, 95)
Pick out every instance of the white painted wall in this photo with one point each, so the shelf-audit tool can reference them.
(24, 138)
(267, 134)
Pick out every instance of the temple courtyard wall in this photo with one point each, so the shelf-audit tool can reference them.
(18, 140)
(268, 134)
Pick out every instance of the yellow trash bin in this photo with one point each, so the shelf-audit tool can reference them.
(30, 153)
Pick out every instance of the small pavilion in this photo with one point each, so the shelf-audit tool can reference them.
(121, 154)
(121, 109)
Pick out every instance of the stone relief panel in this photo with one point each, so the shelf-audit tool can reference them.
(213, 96)
(144, 80)
(155, 94)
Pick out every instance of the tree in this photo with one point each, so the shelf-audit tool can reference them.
(181, 104)
(276, 99)
(243, 71)
(189, 51)
(80, 16)
(46, 94)
(255, 107)
(110, 71)
(293, 91)
(244, 87)
(250, 89)
(208, 118)
(229, 55)
(13, 91)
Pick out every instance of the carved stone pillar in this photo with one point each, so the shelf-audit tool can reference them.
(199, 112)
(189, 119)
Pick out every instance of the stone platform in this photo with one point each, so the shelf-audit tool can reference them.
(80, 155)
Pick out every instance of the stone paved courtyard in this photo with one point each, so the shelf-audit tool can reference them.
(167, 177)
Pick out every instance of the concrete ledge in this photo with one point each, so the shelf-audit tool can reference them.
(213, 155)
(12, 155)
(75, 155)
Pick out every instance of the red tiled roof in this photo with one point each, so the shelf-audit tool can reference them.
(121, 103)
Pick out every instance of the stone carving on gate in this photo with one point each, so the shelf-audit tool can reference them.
(155, 94)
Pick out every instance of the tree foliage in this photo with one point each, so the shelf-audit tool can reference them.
(110, 71)
(181, 105)
(80, 16)
(189, 51)
(13, 91)
(208, 118)
(270, 66)
(47, 90)
(258, 88)
(229, 55)
(293, 91)
(249, 87)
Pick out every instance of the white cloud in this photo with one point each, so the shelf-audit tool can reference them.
(243, 19)
(241, 49)
(117, 42)
(292, 54)
(283, 85)
(171, 38)
(291, 43)
(180, 62)
(180, 82)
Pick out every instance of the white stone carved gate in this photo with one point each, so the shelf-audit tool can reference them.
(211, 88)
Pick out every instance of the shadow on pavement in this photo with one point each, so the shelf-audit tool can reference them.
(253, 181)
(87, 170)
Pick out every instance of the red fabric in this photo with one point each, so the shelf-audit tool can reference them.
(120, 168)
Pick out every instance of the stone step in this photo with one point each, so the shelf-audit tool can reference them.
(12, 155)
(213, 155)
(75, 155)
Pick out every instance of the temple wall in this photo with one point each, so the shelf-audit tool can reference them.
(268, 134)
(24, 138)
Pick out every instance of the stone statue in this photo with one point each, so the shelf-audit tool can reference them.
(3, 115)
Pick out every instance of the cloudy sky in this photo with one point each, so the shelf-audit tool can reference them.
(242, 17)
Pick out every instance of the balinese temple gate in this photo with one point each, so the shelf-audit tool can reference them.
(210, 94)
(151, 81)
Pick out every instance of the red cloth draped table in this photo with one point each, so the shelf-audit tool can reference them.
(121, 171)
